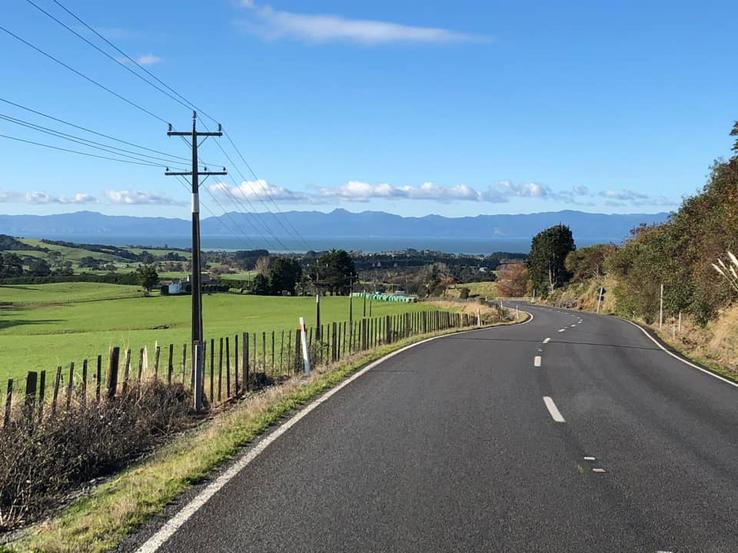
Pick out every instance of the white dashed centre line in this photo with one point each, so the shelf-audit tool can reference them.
(572, 326)
(553, 410)
(599, 470)
(537, 361)
(562, 329)
(547, 340)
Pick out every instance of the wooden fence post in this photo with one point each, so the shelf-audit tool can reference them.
(126, 369)
(281, 354)
(41, 394)
(212, 370)
(141, 357)
(70, 385)
(113, 372)
(30, 402)
(170, 366)
(220, 369)
(157, 356)
(83, 390)
(245, 358)
(228, 367)
(98, 374)
(8, 403)
(184, 362)
(235, 364)
(55, 395)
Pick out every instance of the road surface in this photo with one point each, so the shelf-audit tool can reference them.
(571, 433)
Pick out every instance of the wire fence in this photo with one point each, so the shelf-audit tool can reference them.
(233, 365)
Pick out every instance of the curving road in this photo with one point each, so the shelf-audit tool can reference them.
(495, 441)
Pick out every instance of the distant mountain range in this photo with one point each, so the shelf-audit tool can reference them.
(90, 225)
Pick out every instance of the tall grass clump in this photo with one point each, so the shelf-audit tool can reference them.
(728, 270)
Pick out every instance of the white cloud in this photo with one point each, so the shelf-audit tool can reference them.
(275, 24)
(361, 192)
(148, 59)
(255, 190)
(42, 198)
(137, 197)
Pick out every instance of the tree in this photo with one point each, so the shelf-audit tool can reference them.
(432, 280)
(147, 277)
(734, 132)
(284, 275)
(588, 262)
(39, 267)
(546, 261)
(333, 271)
(260, 285)
(12, 265)
(263, 265)
(512, 280)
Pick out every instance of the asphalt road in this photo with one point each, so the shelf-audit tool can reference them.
(451, 446)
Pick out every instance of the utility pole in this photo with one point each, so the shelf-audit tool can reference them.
(195, 174)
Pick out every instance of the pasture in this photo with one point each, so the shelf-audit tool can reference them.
(45, 325)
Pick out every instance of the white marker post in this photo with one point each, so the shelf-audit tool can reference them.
(661, 308)
(303, 341)
(479, 318)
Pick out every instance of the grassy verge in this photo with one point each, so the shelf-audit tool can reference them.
(101, 520)
(677, 346)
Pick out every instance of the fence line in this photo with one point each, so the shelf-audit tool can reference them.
(262, 358)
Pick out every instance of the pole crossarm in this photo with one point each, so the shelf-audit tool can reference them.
(189, 173)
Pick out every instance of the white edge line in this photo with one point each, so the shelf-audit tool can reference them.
(537, 361)
(175, 523)
(675, 356)
(553, 410)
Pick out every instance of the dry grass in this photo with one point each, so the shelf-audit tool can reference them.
(584, 295)
(101, 520)
(485, 289)
(714, 345)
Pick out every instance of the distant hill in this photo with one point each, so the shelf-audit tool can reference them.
(339, 222)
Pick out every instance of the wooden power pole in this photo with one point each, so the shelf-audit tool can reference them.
(195, 279)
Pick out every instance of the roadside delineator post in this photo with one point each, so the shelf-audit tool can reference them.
(479, 318)
(305, 352)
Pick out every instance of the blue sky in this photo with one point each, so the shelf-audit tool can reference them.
(413, 107)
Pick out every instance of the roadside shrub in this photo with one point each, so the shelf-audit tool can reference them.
(43, 458)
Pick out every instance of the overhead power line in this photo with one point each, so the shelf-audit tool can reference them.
(91, 131)
(80, 74)
(181, 99)
(15, 138)
(168, 91)
(104, 53)
(90, 143)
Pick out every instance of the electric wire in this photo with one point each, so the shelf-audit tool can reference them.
(86, 142)
(184, 101)
(80, 74)
(15, 138)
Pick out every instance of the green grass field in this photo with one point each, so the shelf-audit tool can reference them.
(42, 326)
